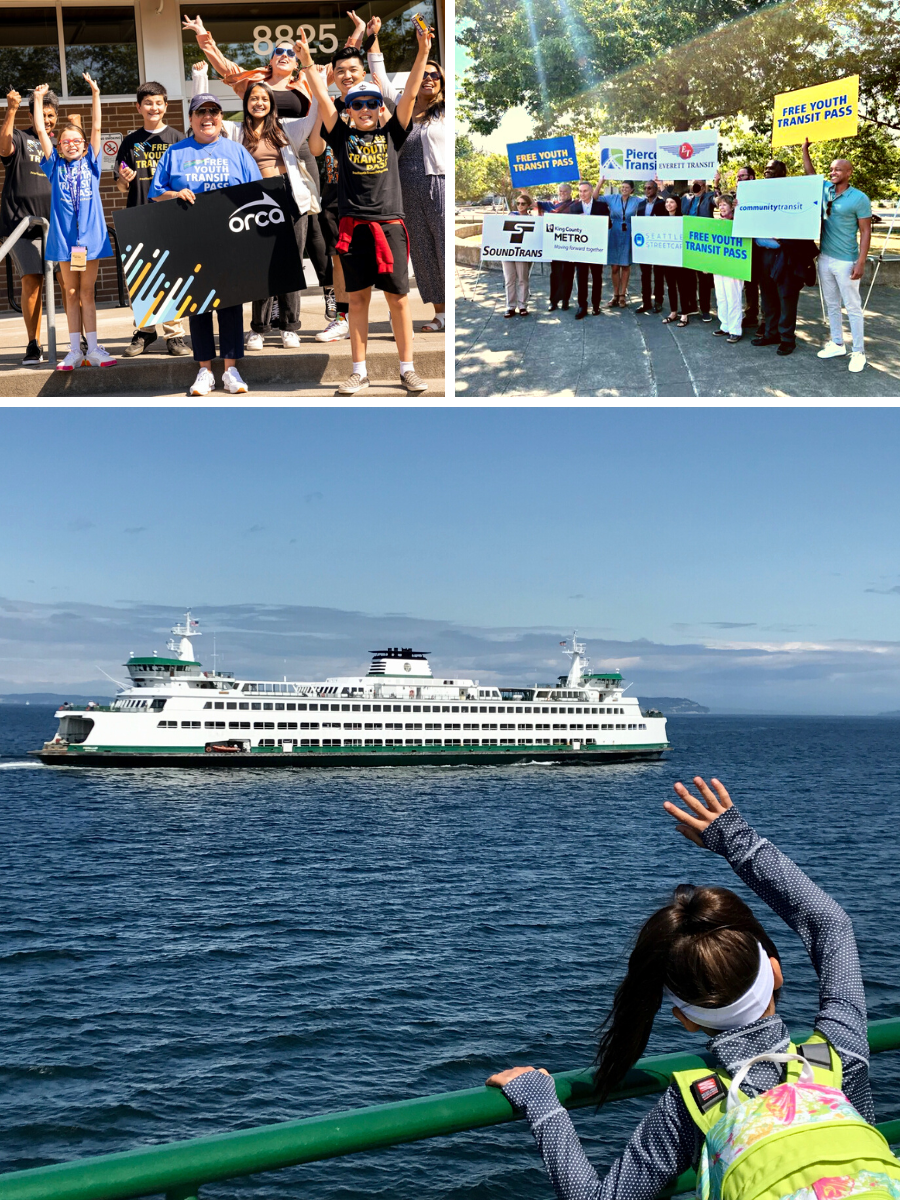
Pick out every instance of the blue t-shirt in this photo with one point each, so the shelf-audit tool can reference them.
(203, 167)
(839, 227)
(76, 210)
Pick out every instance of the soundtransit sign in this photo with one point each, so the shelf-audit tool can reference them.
(709, 245)
(779, 208)
(690, 155)
(512, 237)
(657, 240)
(230, 246)
(580, 239)
(547, 160)
(828, 110)
(628, 157)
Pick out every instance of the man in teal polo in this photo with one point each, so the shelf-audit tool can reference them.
(844, 246)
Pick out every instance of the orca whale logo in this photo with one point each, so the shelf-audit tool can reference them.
(271, 214)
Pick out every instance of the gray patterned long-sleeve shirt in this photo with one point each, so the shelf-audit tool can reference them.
(666, 1141)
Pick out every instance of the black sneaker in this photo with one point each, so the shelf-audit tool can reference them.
(330, 303)
(34, 354)
(176, 346)
(139, 343)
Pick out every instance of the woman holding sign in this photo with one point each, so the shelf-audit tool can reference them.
(622, 208)
(515, 274)
(729, 292)
(678, 281)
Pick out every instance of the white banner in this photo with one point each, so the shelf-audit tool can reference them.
(690, 155)
(506, 235)
(628, 157)
(657, 240)
(576, 239)
(779, 208)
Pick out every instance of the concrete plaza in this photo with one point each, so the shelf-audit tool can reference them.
(621, 353)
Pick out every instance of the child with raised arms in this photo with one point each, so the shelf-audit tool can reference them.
(706, 957)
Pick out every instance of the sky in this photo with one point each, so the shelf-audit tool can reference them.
(515, 125)
(744, 558)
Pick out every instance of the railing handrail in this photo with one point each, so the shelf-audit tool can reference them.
(180, 1168)
(49, 294)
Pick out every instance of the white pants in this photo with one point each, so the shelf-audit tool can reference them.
(729, 303)
(516, 276)
(837, 289)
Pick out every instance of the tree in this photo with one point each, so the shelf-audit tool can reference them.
(463, 146)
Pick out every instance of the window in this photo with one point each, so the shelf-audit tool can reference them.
(104, 42)
(29, 49)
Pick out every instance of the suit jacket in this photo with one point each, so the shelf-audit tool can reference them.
(706, 208)
(599, 208)
(658, 208)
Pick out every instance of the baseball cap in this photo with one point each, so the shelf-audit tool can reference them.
(204, 98)
(361, 91)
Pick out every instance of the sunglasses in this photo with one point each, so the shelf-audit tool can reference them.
(435, 75)
(207, 112)
(288, 50)
(358, 105)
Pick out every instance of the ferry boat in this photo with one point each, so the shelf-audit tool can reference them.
(174, 713)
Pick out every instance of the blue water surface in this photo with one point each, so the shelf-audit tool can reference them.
(193, 952)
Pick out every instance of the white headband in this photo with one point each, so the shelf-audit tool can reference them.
(749, 1007)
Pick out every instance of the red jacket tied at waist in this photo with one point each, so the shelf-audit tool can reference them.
(383, 256)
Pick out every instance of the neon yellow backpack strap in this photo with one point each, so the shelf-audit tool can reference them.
(822, 1057)
(704, 1093)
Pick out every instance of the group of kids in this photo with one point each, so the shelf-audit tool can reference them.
(765, 1119)
(352, 226)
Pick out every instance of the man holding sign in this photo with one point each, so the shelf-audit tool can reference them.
(844, 247)
(588, 204)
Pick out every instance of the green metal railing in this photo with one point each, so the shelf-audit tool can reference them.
(179, 1169)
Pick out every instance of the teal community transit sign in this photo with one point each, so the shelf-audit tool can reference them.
(709, 246)
(547, 160)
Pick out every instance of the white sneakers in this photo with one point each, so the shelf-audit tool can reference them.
(99, 358)
(833, 350)
(289, 339)
(72, 360)
(232, 382)
(253, 341)
(204, 383)
(337, 329)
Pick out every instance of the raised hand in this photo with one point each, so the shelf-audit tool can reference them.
(41, 90)
(92, 83)
(359, 24)
(424, 39)
(374, 27)
(301, 46)
(13, 99)
(502, 1078)
(703, 812)
(193, 25)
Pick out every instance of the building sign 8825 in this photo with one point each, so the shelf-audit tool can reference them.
(321, 37)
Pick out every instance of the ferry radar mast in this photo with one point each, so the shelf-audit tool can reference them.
(581, 664)
(187, 629)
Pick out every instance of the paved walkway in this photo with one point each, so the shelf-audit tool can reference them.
(620, 353)
(313, 370)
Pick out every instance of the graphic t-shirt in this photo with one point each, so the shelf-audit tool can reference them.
(840, 227)
(328, 178)
(76, 210)
(26, 189)
(203, 167)
(141, 151)
(368, 177)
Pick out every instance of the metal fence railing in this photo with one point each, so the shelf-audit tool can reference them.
(49, 294)
(179, 1169)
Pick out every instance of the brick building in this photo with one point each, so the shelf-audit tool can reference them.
(123, 44)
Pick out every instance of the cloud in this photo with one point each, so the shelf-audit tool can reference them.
(891, 591)
(136, 529)
(255, 529)
(730, 624)
(79, 524)
(577, 596)
(313, 497)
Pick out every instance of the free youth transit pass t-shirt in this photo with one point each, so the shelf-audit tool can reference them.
(203, 167)
(368, 183)
(141, 152)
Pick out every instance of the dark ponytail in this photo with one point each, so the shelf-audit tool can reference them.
(702, 947)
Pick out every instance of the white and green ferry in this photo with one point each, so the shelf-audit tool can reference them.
(174, 713)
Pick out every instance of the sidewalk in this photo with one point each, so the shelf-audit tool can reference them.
(313, 370)
(620, 353)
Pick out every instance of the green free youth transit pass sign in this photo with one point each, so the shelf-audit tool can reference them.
(709, 246)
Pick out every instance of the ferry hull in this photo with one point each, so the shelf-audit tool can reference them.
(414, 756)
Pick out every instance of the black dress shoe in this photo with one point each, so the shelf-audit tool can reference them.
(553, 307)
(750, 319)
(657, 308)
(565, 306)
(582, 312)
(643, 308)
(596, 310)
(786, 348)
(763, 341)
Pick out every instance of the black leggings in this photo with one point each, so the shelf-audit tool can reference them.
(316, 249)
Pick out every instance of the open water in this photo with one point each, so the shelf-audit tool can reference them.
(188, 953)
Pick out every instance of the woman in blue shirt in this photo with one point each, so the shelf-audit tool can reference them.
(78, 238)
(204, 162)
(622, 208)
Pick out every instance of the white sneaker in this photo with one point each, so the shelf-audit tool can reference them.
(204, 383)
(253, 341)
(289, 339)
(339, 328)
(833, 350)
(100, 358)
(233, 383)
(857, 361)
(72, 360)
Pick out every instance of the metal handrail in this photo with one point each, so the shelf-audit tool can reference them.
(180, 1168)
(49, 293)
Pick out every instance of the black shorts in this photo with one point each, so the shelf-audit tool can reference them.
(361, 268)
(328, 223)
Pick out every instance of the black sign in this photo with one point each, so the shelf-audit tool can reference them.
(229, 246)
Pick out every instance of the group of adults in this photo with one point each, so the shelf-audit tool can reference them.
(767, 303)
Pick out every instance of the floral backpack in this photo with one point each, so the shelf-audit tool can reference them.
(801, 1140)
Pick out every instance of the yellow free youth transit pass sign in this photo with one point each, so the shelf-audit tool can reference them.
(828, 110)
